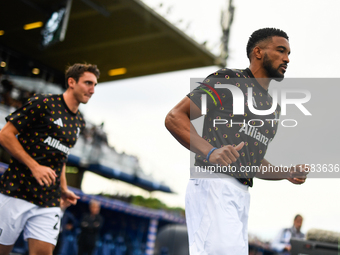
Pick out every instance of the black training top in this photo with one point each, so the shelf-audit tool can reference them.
(47, 132)
(222, 128)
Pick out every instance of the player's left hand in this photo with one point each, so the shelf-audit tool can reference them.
(64, 204)
(298, 174)
(69, 197)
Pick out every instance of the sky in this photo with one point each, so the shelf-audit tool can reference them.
(134, 117)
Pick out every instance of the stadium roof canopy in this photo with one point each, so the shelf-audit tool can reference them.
(114, 34)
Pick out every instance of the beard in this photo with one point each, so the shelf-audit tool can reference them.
(272, 72)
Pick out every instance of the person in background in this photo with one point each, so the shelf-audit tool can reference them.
(281, 243)
(91, 224)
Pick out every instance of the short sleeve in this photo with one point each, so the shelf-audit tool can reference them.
(24, 117)
(215, 97)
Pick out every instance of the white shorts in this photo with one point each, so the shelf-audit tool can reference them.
(217, 216)
(37, 222)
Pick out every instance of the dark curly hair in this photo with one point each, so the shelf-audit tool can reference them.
(77, 70)
(297, 216)
(261, 35)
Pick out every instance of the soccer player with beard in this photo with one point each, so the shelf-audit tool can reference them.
(217, 207)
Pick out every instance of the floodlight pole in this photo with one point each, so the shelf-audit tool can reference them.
(66, 18)
(227, 17)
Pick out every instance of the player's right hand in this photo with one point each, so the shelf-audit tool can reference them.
(226, 155)
(44, 175)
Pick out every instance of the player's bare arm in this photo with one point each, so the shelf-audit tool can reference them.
(43, 174)
(295, 174)
(66, 195)
(178, 122)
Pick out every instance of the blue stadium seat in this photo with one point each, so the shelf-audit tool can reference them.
(68, 245)
(98, 249)
(20, 245)
(108, 246)
(120, 246)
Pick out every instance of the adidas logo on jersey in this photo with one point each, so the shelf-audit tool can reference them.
(58, 122)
